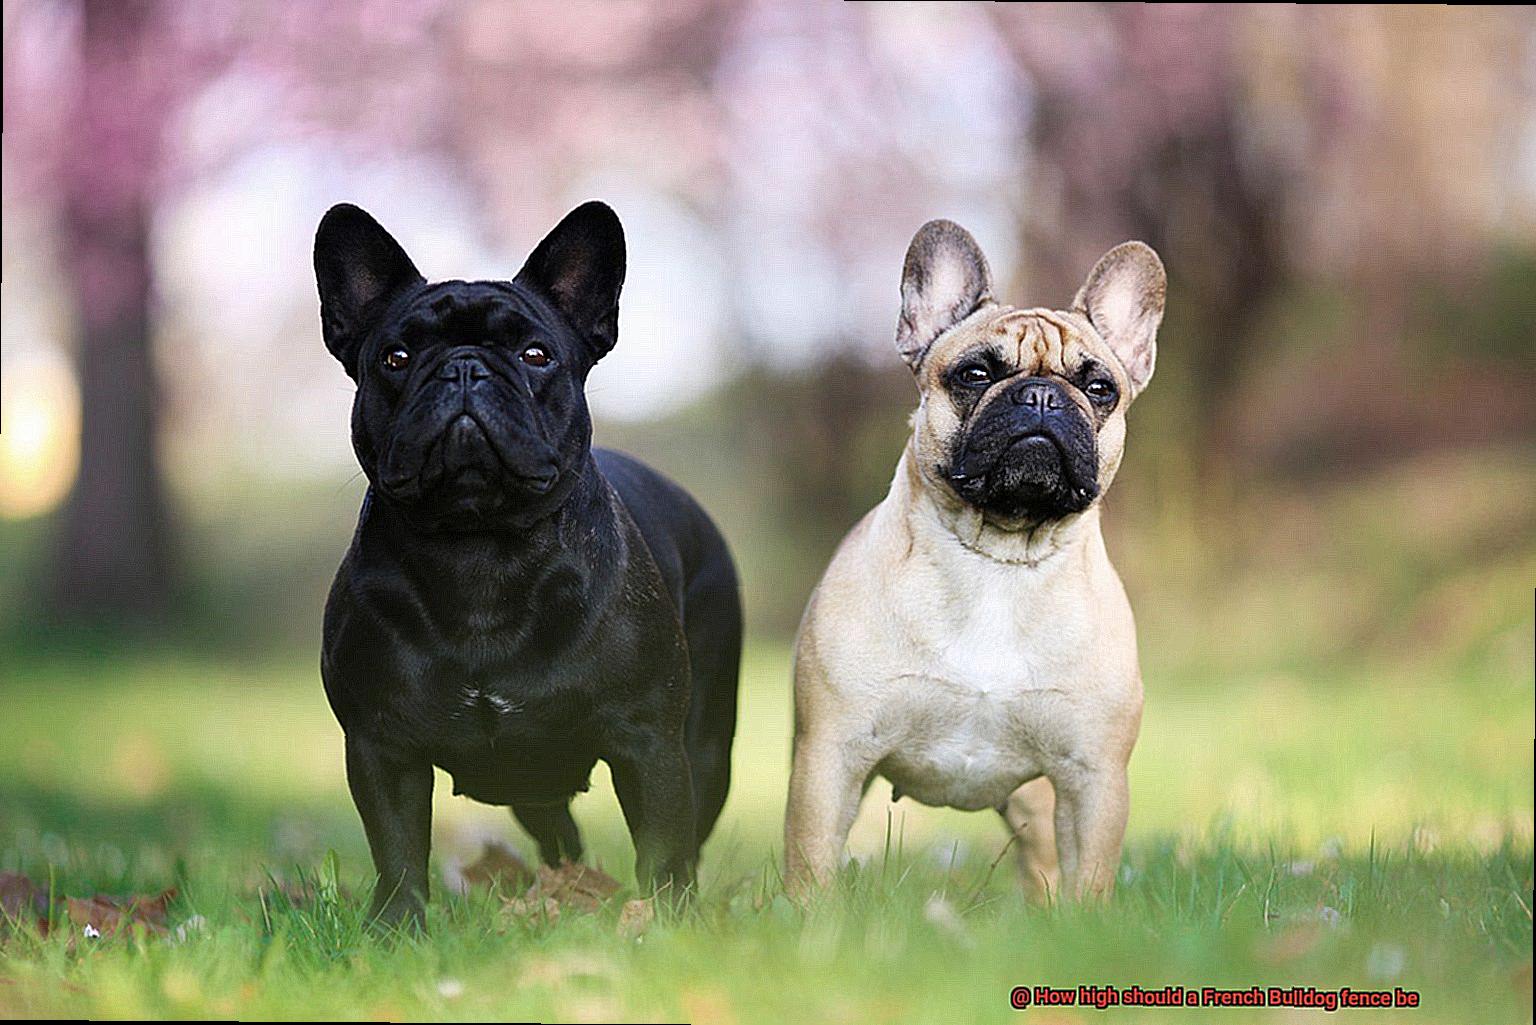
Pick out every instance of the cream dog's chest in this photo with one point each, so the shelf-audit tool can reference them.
(968, 755)
(981, 714)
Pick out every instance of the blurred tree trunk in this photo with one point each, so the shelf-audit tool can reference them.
(1132, 138)
(114, 561)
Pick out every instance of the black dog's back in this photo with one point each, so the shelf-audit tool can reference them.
(701, 579)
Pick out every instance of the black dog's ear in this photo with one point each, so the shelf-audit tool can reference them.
(359, 267)
(944, 280)
(580, 267)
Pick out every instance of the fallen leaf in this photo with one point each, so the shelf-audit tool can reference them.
(533, 907)
(565, 887)
(576, 886)
(106, 915)
(96, 915)
(22, 900)
(636, 917)
(498, 865)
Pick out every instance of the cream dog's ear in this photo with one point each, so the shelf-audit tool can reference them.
(944, 280)
(1123, 299)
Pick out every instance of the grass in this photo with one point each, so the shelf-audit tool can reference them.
(1332, 788)
(1289, 832)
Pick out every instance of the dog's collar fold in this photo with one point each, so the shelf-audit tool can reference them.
(1014, 543)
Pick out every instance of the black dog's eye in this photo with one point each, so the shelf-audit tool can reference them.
(974, 375)
(397, 358)
(1101, 390)
(536, 356)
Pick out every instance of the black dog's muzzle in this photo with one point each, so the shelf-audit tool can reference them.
(469, 430)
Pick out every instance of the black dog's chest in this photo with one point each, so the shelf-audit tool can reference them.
(474, 711)
(486, 713)
(504, 737)
(512, 663)
(464, 703)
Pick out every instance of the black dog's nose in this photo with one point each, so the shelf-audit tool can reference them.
(463, 367)
(1040, 394)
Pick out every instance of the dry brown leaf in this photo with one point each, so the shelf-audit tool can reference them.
(107, 915)
(575, 886)
(635, 918)
(96, 915)
(22, 900)
(532, 907)
(563, 888)
(498, 865)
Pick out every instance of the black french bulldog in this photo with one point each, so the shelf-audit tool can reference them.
(515, 604)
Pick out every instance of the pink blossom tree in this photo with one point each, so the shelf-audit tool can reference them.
(96, 91)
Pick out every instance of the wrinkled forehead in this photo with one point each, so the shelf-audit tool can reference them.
(1031, 341)
(470, 309)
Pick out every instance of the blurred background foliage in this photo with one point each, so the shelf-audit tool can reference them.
(1326, 517)
(1334, 462)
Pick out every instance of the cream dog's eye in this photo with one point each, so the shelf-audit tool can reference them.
(974, 374)
(1100, 390)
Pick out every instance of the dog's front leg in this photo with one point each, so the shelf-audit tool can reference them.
(655, 790)
(825, 786)
(1030, 813)
(1092, 805)
(393, 795)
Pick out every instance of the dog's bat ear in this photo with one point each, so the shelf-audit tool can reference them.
(359, 267)
(1123, 298)
(580, 267)
(944, 280)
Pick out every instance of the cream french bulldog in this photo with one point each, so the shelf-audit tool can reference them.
(971, 641)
